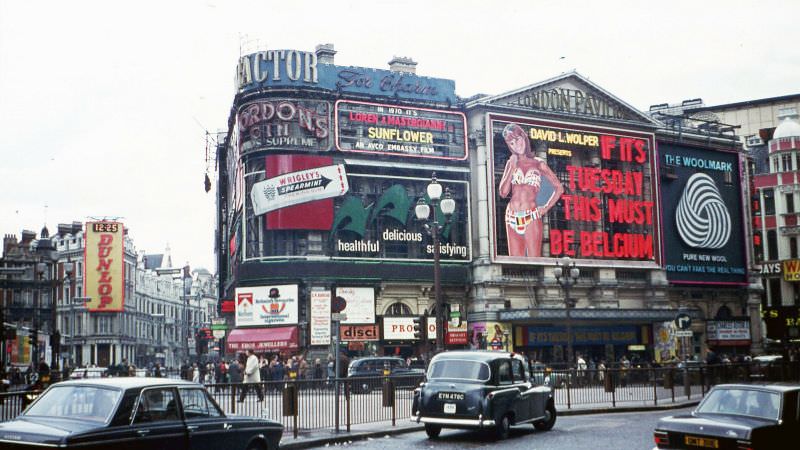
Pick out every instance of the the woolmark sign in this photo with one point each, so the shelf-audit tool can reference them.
(299, 187)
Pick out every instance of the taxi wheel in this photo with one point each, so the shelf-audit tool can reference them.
(503, 427)
(549, 419)
(432, 430)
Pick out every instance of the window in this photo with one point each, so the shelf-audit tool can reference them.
(775, 295)
(86, 402)
(790, 202)
(793, 247)
(504, 373)
(156, 405)
(772, 245)
(398, 309)
(196, 404)
(518, 371)
(786, 162)
(769, 202)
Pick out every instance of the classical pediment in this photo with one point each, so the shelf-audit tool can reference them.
(569, 94)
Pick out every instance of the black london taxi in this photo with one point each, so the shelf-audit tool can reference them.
(736, 416)
(481, 390)
(134, 413)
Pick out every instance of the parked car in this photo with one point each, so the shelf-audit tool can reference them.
(481, 390)
(88, 372)
(366, 373)
(545, 375)
(766, 368)
(736, 416)
(129, 413)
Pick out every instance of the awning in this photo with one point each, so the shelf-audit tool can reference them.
(262, 339)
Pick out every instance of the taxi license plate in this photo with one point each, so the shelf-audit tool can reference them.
(450, 408)
(701, 442)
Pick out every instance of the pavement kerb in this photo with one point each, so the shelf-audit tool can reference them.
(326, 436)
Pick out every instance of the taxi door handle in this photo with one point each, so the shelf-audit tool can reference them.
(227, 426)
(142, 432)
(192, 428)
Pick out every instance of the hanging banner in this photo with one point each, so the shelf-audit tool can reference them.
(299, 187)
(320, 317)
(104, 277)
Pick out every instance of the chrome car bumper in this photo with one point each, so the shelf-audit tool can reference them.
(477, 423)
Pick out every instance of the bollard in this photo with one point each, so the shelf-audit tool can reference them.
(388, 394)
(668, 381)
(289, 399)
(608, 382)
(687, 384)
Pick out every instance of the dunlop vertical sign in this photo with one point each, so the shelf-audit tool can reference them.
(104, 277)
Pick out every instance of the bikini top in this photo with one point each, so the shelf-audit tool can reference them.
(532, 177)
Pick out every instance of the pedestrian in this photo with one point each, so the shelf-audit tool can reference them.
(318, 372)
(195, 373)
(302, 368)
(234, 372)
(252, 377)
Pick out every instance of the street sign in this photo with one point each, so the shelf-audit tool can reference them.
(218, 334)
(683, 321)
(682, 333)
(338, 317)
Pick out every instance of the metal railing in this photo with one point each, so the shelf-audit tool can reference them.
(314, 404)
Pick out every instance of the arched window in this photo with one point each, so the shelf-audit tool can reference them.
(398, 309)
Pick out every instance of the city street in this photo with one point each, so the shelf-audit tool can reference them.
(612, 431)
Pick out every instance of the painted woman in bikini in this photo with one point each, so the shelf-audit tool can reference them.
(522, 179)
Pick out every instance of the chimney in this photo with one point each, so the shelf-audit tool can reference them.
(64, 229)
(325, 53)
(9, 244)
(403, 64)
(76, 227)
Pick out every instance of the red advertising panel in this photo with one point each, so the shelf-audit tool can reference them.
(570, 190)
(311, 215)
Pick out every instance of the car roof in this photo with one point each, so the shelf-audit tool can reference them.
(127, 382)
(378, 358)
(773, 387)
(473, 355)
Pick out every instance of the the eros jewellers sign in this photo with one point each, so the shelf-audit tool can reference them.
(284, 123)
(104, 281)
(392, 130)
(298, 187)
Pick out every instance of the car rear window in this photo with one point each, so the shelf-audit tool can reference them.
(459, 370)
(742, 402)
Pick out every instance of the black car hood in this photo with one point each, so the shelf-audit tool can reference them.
(719, 425)
(41, 430)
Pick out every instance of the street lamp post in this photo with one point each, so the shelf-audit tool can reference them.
(567, 275)
(433, 228)
(41, 268)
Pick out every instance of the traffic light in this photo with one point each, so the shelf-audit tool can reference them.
(758, 250)
(417, 328)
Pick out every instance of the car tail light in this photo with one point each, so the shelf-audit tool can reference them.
(744, 445)
(661, 438)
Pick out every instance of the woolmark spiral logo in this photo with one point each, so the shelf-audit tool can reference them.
(703, 220)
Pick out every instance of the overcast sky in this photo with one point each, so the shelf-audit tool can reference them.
(104, 105)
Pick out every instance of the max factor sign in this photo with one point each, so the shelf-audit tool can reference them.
(573, 101)
(292, 68)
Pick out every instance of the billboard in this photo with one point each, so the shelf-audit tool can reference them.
(401, 131)
(266, 305)
(298, 187)
(293, 69)
(360, 304)
(398, 328)
(562, 189)
(104, 277)
(703, 232)
(376, 221)
(284, 124)
(320, 317)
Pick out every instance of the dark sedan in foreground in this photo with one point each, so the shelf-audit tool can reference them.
(736, 416)
(481, 390)
(134, 413)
